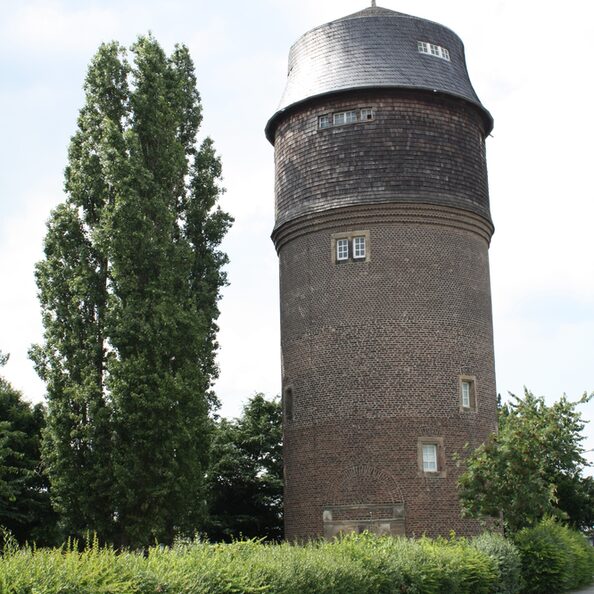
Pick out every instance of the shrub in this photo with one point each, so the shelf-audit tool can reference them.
(554, 558)
(460, 568)
(507, 559)
(354, 564)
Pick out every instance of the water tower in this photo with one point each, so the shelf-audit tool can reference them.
(382, 232)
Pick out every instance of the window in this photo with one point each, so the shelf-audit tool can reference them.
(366, 114)
(324, 121)
(429, 457)
(358, 247)
(288, 403)
(350, 246)
(342, 249)
(341, 118)
(345, 117)
(431, 49)
(467, 392)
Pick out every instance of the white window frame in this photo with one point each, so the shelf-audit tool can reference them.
(467, 393)
(367, 114)
(431, 49)
(359, 247)
(341, 118)
(430, 457)
(338, 252)
(324, 121)
(350, 116)
(342, 249)
(466, 387)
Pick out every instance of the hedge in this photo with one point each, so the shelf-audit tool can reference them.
(507, 559)
(554, 558)
(355, 564)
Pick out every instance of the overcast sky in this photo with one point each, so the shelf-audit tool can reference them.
(530, 63)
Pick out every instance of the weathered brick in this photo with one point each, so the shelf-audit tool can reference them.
(373, 351)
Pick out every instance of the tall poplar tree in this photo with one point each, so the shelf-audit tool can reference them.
(129, 288)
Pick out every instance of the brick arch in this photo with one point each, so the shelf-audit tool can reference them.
(356, 483)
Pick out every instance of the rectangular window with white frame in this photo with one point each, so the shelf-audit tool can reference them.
(345, 117)
(466, 394)
(366, 114)
(339, 118)
(342, 249)
(358, 248)
(351, 117)
(350, 246)
(342, 118)
(429, 457)
(431, 49)
(324, 121)
(468, 401)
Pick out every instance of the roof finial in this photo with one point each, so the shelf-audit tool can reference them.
(373, 3)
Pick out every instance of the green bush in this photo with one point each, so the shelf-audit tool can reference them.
(554, 558)
(507, 559)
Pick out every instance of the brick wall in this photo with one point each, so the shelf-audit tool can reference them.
(373, 351)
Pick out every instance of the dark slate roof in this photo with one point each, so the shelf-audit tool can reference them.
(374, 48)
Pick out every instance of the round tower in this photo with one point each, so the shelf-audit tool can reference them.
(382, 231)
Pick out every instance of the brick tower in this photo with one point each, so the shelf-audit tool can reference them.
(382, 231)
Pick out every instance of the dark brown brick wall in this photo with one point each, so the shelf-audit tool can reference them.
(373, 351)
(420, 148)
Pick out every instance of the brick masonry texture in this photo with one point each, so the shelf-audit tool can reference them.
(373, 351)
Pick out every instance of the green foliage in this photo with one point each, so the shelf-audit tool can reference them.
(357, 564)
(245, 479)
(129, 288)
(507, 559)
(554, 558)
(532, 467)
(25, 507)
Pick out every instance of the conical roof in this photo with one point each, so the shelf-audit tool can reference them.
(372, 11)
(375, 48)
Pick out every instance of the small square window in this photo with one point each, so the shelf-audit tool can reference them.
(366, 114)
(350, 117)
(429, 457)
(445, 54)
(324, 121)
(339, 118)
(359, 247)
(342, 249)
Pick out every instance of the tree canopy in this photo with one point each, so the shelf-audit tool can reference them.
(25, 507)
(533, 467)
(245, 481)
(128, 288)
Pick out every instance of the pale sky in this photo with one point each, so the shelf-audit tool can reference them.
(530, 63)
